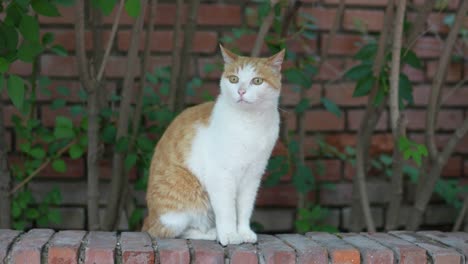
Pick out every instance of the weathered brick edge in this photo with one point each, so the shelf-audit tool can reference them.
(48, 246)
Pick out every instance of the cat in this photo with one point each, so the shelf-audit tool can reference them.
(207, 166)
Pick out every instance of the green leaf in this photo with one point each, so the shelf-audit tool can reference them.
(133, 7)
(302, 106)
(358, 72)
(28, 51)
(54, 216)
(59, 50)
(106, 6)
(32, 213)
(19, 225)
(303, 179)
(130, 161)
(48, 38)
(136, 217)
(29, 28)
(77, 110)
(58, 103)
(2, 82)
(331, 106)
(4, 66)
(37, 153)
(108, 134)
(63, 128)
(10, 36)
(367, 52)
(15, 209)
(411, 59)
(122, 144)
(364, 86)
(45, 8)
(76, 151)
(65, 2)
(59, 165)
(298, 77)
(16, 90)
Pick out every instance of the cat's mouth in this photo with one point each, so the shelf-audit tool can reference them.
(242, 100)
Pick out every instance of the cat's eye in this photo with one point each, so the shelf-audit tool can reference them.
(233, 79)
(257, 80)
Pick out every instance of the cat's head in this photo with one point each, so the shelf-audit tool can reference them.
(251, 82)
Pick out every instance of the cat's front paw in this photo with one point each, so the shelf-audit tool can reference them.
(226, 238)
(248, 236)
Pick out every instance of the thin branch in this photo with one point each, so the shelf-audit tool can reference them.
(334, 29)
(453, 90)
(110, 43)
(189, 34)
(420, 22)
(81, 57)
(114, 200)
(175, 69)
(439, 79)
(263, 31)
(461, 215)
(42, 167)
(368, 123)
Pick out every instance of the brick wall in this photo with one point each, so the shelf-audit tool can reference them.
(45, 246)
(216, 19)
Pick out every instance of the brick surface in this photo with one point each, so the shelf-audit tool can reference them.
(339, 251)
(243, 253)
(307, 251)
(206, 251)
(64, 247)
(100, 247)
(6, 239)
(437, 252)
(273, 250)
(372, 20)
(136, 248)
(173, 251)
(404, 251)
(453, 240)
(371, 251)
(28, 249)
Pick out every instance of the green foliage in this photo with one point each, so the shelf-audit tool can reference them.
(412, 150)
(313, 218)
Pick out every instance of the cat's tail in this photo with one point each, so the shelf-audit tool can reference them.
(155, 228)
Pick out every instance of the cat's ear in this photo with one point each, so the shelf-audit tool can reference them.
(228, 56)
(276, 60)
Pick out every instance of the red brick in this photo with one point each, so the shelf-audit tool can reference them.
(453, 73)
(428, 47)
(219, 14)
(380, 143)
(290, 95)
(75, 169)
(324, 16)
(452, 4)
(342, 94)
(117, 66)
(20, 68)
(280, 195)
(447, 119)
(465, 168)
(454, 97)
(273, 250)
(136, 248)
(332, 69)
(105, 170)
(332, 171)
(339, 251)
(415, 75)
(371, 19)
(206, 251)
(436, 251)
(371, 251)
(449, 239)
(6, 239)
(453, 168)
(8, 140)
(173, 251)
(307, 251)
(342, 44)
(52, 65)
(203, 42)
(64, 247)
(67, 16)
(321, 120)
(28, 249)
(360, 2)
(64, 37)
(49, 115)
(242, 254)
(355, 119)
(100, 247)
(405, 252)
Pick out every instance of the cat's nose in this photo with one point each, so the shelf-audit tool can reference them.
(241, 91)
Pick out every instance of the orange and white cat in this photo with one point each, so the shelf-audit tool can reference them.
(207, 166)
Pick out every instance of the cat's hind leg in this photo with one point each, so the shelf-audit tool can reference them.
(175, 222)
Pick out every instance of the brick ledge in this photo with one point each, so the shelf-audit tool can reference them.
(72, 246)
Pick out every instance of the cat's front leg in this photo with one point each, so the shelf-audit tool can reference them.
(245, 204)
(222, 193)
